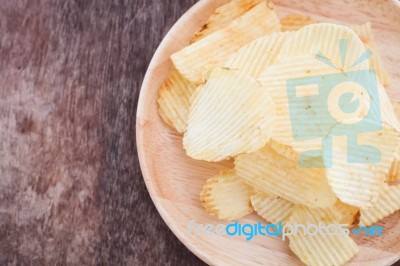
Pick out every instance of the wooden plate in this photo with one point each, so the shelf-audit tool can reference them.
(175, 181)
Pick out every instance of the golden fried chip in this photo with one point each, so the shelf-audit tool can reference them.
(231, 114)
(256, 56)
(348, 214)
(174, 101)
(388, 203)
(224, 15)
(320, 249)
(271, 173)
(226, 196)
(213, 50)
(301, 113)
(338, 46)
(358, 170)
(272, 208)
(306, 103)
(293, 22)
(394, 171)
(364, 31)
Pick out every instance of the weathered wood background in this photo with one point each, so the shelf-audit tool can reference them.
(71, 190)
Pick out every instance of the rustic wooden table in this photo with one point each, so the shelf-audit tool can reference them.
(71, 189)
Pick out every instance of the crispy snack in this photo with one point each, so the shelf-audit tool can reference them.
(388, 203)
(224, 15)
(174, 101)
(213, 50)
(231, 114)
(274, 79)
(294, 22)
(226, 196)
(348, 214)
(321, 39)
(355, 176)
(364, 31)
(318, 249)
(365, 177)
(394, 171)
(256, 56)
(269, 172)
(272, 208)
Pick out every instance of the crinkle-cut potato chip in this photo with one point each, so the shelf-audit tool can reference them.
(388, 203)
(227, 196)
(230, 114)
(275, 79)
(394, 171)
(325, 40)
(174, 101)
(388, 111)
(223, 15)
(294, 22)
(308, 105)
(271, 173)
(256, 56)
(318, 249)
(271, 208)
(348, 214)
(364, 31)
(196, 59)
(360, 167)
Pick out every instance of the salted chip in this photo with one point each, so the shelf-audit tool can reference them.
(231, 114)
(226, 196)
(360, 165)
(256, 56)
(223, 15)
(335, 45)
(271, 208)
(269, 172)
(394, 171)
(314, 248)
(213, 50)
(364, 31)
(174, 101)
(347, 214)
(306, 114)
(302, 118)
(294, 22)
(388, 203)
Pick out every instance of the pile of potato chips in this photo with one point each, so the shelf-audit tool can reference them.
(227, 96)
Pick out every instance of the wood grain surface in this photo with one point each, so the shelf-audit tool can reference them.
(71, 190)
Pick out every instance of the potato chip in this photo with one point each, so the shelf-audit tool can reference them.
(294, 22)
(226, 196)
(272, 208)
(307, 105)
(256, 56)
(358, 170)
(388, 203)
(174, 101)
(224, 15)
(299, 131)
(364, 31)
(338, 46)
(213, 50)
(347, 214)
(394, 171)
(273, 174)
(231, 114)
(316, 248)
